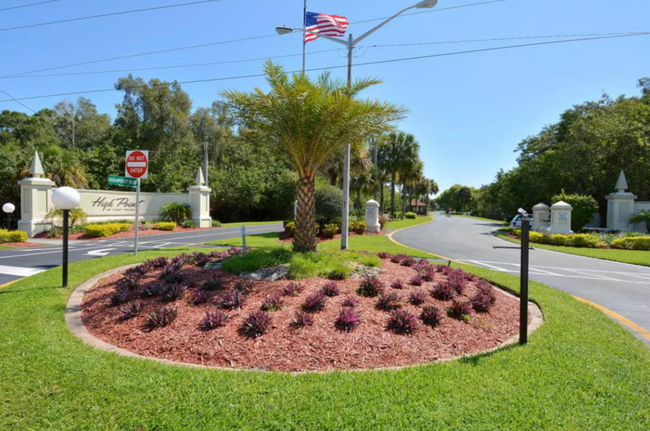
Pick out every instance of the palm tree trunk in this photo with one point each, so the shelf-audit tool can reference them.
(392, 196)
(381, 198)
(359, 202)
(305, 236)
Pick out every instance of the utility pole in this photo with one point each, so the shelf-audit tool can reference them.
(304, 42)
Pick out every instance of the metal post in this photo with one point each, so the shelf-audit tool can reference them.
(523, 300)
(243, 239)
(137, 218)
(65, 247)
(304, 44)
(346, 169)
(205, 163)
(376, 169)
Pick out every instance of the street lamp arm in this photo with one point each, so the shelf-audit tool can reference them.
(333, 39)
(374, 29)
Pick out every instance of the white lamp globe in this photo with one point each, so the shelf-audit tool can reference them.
(66, 198)
(9, 208)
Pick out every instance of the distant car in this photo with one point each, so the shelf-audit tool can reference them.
(516, 222)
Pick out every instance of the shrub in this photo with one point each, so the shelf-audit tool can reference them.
(389, 301)
(397, 284)
(432, 315)
(641, 217)
(216, 223)
(121, 296)
(77, 217)
(128, 282)
(172, 292)
(201, 259)
(460, 310)
(382, 221)
(160, 317)
(350, 301)
(103, 230)
(12, 236)
(397, 258)
(290, 229)
(330, 230)
(302, 319)
(231, 299)
(130, 311)
(337, 274)
(347, 320)
(633, 243)
(329, 201)
(174, 278)
(211, 284)
(272, 303)
(457, 282)
(384, 255)
(213, 320)
(314, 303)
(584, 208)
(184, 259)
(246, 287)
(417, 297)
(255, 324)
(160, 262)
(292, 289)
(370, 287)
(402, 322)
(410, 215)
(176, 212)
(358, 227)
(408, 261)
(416, 280)
(199, 297)
(190, 225)
(483, 300)
(152, 289)
(331, 289)
(484, 285)
(168, 226)
(443, 291)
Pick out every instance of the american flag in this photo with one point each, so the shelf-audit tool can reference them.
(328, 25)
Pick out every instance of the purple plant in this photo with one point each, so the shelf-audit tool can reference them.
(370, 287)
(213, 320)
(172, 292)
(231, 299)
(483, 300)
(427, 272)
(292, 289)
(170, 270)
(408, 261)
(302, 319)
(397, 284)
(384, 255)
(121, 296)
(232, 251)
(350, 301)
(212, 284)
(314, 302)
(402, 322)
(484, 285)
(160, 317)
(347, 320)
(331, 289)
(389, 301)
(440, 268)
(432, 315)
(130, 311)
(416, 280)
(200, 297)
(216, 254)
(397, 258)
(460, 310)
(246, 287)
(443, 291)
(151, 290)
(272, 303)
(135, 272)
(128, 282)
(417, 297)
(184, 259)
(159, 262)
(457, 282)
(255, 324)
(201, 259)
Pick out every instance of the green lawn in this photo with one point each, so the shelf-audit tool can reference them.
(250, 223)
(482, 219)
(401, 224)
(635, 257)
(580, 371)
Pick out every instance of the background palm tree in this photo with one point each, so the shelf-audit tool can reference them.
(398, 152)
(310, 121)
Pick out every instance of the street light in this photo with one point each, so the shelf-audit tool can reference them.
(350, 44)
(65, 198)
(8, 208)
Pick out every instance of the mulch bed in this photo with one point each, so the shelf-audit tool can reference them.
(21, 244)
(320, 347)
(127, 234)
(319, 239)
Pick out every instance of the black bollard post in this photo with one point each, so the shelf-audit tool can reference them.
(65, 247)
(523, 305)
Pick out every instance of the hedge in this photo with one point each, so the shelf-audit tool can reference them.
(170, 226)
(633, 243)
(102, 230)
(410, 215)
(577, 240)
(13, 236)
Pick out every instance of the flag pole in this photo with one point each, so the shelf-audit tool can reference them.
(304, 42)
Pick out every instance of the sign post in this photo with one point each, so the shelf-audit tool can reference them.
(137, 166)
(523, 289)
(243, 238)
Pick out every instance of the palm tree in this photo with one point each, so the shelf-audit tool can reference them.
(400, 150)
(310, 120)
(640, 217)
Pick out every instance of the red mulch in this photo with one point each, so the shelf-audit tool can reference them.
(317, 348)
(21, 244)
(127, 234)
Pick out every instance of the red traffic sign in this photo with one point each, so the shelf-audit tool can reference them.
(137, 164)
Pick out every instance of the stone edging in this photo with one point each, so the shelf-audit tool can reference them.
(74, 323)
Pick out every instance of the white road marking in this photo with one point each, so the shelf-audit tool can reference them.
(602, 277)
(19, 271)
(101, 252)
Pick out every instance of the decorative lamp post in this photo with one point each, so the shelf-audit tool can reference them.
(65, 198)
(8, 208)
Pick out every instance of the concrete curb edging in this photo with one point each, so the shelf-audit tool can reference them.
(75, 325)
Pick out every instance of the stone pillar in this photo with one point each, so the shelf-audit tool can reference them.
(200, 201)
(620, 205)
(561, 218)
(372, 216)
(35, 199)
(541, 217)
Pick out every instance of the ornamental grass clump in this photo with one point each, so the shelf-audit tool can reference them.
(397, 284)
(201, 259)
(213, 320)
(417, 297)
(397, 258)
(121, 296)
(272, 303)
(457, 282)
(292, 289)
(384, 255)
(255, 324)
(432, 315)
(370, 287)
(246, 287)
(160, 317)
(402, 322)
(350, 301)
(151, 290)
(184, 259)
(443, 291)
(159, 262)
(212, 284)
(460, 310)
(199, 297)
(130, 311)
(170, 270)
(416, 280)
(128, 282)
(135, 272)
(347, 320)
(314, 302)
(408, 261)
(389, 301)
(172, 292)
(231, 300)
(331, 289)
(483, 300)
(301, 319)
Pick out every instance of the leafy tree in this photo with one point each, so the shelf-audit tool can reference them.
(584, 208)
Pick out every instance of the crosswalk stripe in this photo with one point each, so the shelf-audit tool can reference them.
(19, 271)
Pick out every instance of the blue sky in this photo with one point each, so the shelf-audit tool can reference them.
(468, 112)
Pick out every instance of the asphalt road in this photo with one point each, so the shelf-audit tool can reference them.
(622, 288)
(22, 262)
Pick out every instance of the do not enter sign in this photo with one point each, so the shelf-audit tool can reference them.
(137, 164)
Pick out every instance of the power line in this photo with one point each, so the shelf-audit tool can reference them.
(395, 60)
(28, 5)
(83, 18)
(17, 101)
